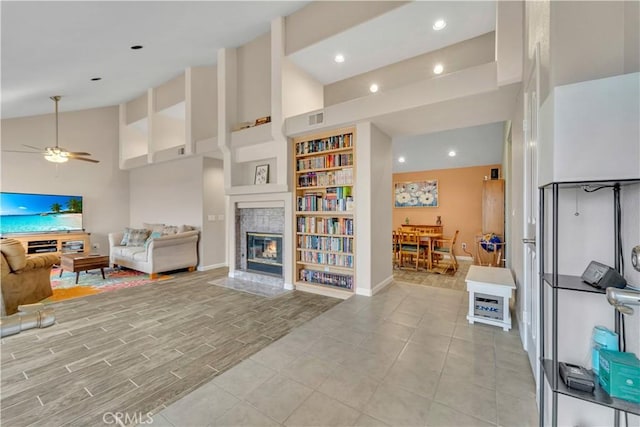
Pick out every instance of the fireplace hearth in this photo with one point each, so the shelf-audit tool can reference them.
(264, 252)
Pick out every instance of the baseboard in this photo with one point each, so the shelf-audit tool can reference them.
(211, 267)
(289, 286)
(377, 288)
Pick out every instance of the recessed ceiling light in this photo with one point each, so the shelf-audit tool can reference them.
(373, 88)
(439, 24)
(452, 153)
(400, 159)
(438, 69)
(95, 79)
(339, 58)
(136, 47)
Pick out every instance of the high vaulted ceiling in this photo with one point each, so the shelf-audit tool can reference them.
(56, 48)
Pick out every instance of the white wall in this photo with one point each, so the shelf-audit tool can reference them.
(104, 186)
(204, 100)
(587, 40)
(213, 237)
(381, 209)
(596, 129)
(631, 36)
(373, 221)
(301, 92)
(254, 79)
(509, 41)
(514, 217)
(168, 193)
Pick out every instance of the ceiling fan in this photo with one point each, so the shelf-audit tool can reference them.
(57, 154)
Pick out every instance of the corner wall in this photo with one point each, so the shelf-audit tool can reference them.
(373, 212)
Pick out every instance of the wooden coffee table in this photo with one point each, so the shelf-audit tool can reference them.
(83, 262)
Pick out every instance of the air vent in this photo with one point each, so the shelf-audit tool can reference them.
(181, 151)
(316, 119)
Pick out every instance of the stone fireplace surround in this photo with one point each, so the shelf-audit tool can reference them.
(257, 220)
(269, 213)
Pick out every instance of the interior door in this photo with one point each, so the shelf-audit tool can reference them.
(530, 170)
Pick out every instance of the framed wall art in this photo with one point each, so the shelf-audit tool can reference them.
(262, 174)
(419, 194)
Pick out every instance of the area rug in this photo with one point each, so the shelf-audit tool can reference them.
(428, 278)
(91, 282)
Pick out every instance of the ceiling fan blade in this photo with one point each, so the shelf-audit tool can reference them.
(35, 148)
(84, 159)
(20, 151)
(77, 153)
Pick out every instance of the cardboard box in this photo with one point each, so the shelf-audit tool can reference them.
(619, 375)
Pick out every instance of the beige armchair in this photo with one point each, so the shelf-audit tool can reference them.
(26, 279)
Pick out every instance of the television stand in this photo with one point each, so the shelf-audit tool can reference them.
(58, 242)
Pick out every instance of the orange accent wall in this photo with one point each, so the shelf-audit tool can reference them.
(459, 202)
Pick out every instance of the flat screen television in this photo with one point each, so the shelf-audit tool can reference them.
(22, 213)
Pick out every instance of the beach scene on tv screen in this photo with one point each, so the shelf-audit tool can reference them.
(39, 213)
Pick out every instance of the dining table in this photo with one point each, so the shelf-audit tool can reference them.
(426, 241)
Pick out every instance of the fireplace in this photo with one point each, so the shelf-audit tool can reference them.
(264, 252)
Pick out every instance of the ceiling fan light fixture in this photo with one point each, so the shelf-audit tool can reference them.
(56, 157)
(439, 24)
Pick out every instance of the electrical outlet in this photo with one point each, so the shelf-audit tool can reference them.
(464, 245)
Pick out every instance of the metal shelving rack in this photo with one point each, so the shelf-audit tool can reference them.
(549, 368)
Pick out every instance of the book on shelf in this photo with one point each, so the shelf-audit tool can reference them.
(329, 259)
(325, 144)
(325, 179)
(324, 278)
(322, 243)
(326, 161)
(319, 202)
(311, 224)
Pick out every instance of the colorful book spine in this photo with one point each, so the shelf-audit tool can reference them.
(332, 279)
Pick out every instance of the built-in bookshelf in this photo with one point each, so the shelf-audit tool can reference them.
(324, 213)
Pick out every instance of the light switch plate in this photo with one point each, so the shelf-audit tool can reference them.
(211, 217)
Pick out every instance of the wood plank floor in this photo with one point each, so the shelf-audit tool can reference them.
(139, 349)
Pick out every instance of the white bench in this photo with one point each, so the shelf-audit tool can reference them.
(490, 289)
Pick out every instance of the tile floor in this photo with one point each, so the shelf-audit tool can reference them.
(405, 357)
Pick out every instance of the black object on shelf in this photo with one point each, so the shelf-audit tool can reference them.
(577, 377)
(598, 396)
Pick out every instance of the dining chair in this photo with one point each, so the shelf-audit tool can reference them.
(443, 253)
(410, 246)
(395, 239)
